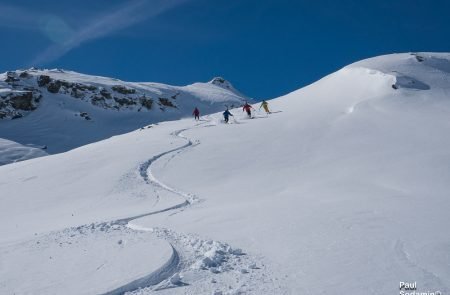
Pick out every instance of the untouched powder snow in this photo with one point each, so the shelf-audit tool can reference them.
(343, 189)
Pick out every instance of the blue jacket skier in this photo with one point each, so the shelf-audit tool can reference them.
(226, 115)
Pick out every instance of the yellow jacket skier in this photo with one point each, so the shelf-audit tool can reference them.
(265, 105)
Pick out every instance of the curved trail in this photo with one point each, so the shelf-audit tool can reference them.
(148, 176)
(156, 277)
(125, 254)
(210, 265)
(174, 265)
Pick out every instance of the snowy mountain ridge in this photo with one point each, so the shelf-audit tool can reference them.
(43, 107)
(22, 91)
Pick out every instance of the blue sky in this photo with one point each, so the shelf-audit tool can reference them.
(266, 48)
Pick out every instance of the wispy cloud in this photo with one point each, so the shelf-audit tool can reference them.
(106, 24)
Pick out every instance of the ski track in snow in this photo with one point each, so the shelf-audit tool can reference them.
(203, 266)
(194, 255)
(209, 266)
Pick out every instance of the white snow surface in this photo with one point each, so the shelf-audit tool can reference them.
(11, 152)
(343, 189)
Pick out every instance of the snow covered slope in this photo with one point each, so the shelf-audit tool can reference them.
(343, 189)
(63, 109)
(11, 152)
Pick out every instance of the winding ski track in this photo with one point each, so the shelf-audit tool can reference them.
(174, 264)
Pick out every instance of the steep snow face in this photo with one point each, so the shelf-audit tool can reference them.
(344, 188)
(64, 109)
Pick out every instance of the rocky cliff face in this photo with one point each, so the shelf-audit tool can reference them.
(17, 98)
(22, 91)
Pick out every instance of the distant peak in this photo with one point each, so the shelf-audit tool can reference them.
(219, 81)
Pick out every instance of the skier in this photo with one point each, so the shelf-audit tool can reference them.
(265, 105)
(247, 108)
(196, 114)
(226, 115)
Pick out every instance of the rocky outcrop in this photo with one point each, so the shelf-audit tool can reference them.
(85, 116)
(105, 94)
(123, 90)
(166, 102)
(124, 101)
(43, 80)
(147, 103)
(14, 103)
(23, 101)
(419, 58)
(98, 101)
(20, 92)
(54, 86)
(24, 75)
(219, 81)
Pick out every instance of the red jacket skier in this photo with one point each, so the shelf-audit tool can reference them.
(196, 114)
(247, 108)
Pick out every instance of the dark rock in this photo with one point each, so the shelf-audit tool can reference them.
(175, 95)
(124, 101)
(11, 77)
(38, 98)
(166, 102)
(105, 94)
(394, 86)
(98, 101)
(79, 89)
(2, 115)
(43, 80)
(16, 115)
(123, 90)
(146, 102)
(24, 75)
(23, 101)
(420, 58)
(65, 84)
(76, 93)
(83, 87)
(54, 86)
(90, 87)
(218, 80)
(85, 115)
